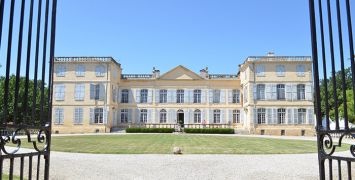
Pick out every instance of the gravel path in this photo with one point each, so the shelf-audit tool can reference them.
(95, 166)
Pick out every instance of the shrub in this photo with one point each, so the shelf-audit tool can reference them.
(210, 131)
(150, 130)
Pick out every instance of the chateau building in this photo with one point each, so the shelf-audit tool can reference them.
(269, 95)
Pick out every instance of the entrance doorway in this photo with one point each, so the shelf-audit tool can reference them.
(180, 117)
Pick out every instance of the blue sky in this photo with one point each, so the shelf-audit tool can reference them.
(141, 34)
(166, 33)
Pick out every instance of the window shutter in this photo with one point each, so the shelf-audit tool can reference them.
(223, 96)
(170, 96)
(210, 116)
(289, 116)
(294, 92)
(203, 115)
(288, 92)
(157, 116)
(203, 96)
(130, 115)
(157, 96)
(310, 116)
(230, 96)
(255, 119)
(254, 92)
(130, 96)
(102, 92)
(223, 120)
(186, 116)
(150, 115)
(119, 95)
(92, 91)
(295, 116)
(174, 100)
(76, 92)
(137, 116)
(241, 115)
(274, 92)
(268, 88)
(308, 89)
(138, 96)
(74, 119)
(274, 116)
(210, 96)
(92, 116)
(191, 119)
(269, 116)
(186, 95)
(105, 114)
(230, 116)
(191, 92)
(150, 96)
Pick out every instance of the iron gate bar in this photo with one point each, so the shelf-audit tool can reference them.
(351, 45)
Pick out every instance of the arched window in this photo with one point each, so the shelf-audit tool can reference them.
(281, 115)
(143, 115)
(216, 116)
(163, 116)
(197, 96)
(197, 116)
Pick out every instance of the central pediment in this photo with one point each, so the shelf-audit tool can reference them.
(180, 73)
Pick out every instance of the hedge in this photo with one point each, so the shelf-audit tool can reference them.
(210, 131)
(150, 130)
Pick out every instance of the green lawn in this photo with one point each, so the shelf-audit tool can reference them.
(5, 176)
(191, 144)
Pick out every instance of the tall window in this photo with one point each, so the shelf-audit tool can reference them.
(59, 92)
(97, 91)
(260, 70)
(60, 70)
(144, 95)
(59, 116)
(124, 96)
(260, 91)
(78, 115)
(163, 96)
(301, 95)
(124, 115)
(281, 115)
(261, 115)
(79, 93)
(280, 92)
(180, 96)
(98, 115)
(197, 96)
(300, 69)
(280, 70)
(163, 116)
(100, 70)
(216, 116)
(197, 116)
(236, 116)
(301, 116)
(80, 70)
(236, 96)
(144, 116)
(216, 95)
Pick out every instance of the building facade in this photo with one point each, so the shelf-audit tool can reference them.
(269, 95)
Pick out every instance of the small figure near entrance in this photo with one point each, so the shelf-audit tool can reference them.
(204, 123)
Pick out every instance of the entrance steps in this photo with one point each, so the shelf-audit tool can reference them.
(241, 131)
(118, 130)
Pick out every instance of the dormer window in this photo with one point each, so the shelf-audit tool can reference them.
(280, 70)
(260, 70)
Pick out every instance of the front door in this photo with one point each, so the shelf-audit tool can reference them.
(180, 117)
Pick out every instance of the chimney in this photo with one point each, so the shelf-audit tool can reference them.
(271, 53)
(156, 73)
(204, 73)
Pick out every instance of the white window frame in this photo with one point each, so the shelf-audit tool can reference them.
(301, 92)
(79, 94)
(197, 116)
(163, 96)
(261, 115)
(197, 96)
(143, 116)
(162, 116)
(281, 91)
(59, 116)
(124, 116)
(281, 116)
(260, 91)
(235, 96)
(98, 116)
(301, 115)
(80, 70)
(59, 92)
(180, 96)
(144, 96)
(78, 115)
(236, 116)
(124, 96)
(216, 116)
(216, 96)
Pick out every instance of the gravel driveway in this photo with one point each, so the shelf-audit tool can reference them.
(95, 166)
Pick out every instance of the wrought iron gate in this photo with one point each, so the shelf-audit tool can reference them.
(330, 51)
(27, 39)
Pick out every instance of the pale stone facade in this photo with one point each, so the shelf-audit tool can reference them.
(269, 95)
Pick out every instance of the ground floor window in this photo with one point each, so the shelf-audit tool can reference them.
(236, 116)
(216, 116)
(197, 116)
(124, 115)
(143, 116)
(98, 115)
(301, 116)
(163, 116)
(281, 114)
(78, 115)
(59, 116)
(261, 115)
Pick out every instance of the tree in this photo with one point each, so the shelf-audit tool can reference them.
(22, 116)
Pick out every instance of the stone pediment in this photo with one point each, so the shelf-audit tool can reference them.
(180, 73)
